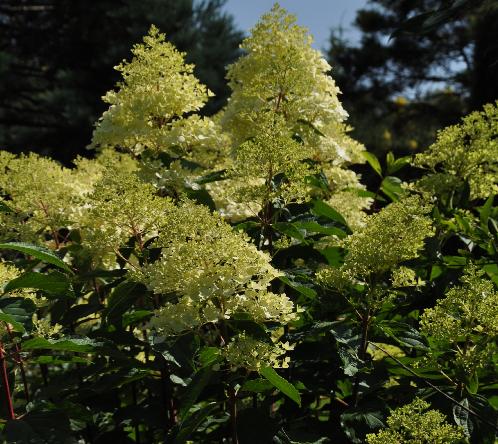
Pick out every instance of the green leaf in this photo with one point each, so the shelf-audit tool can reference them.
(190, 424)
(373, 162)
(305, 291)
(53, 282)
(315, 227)
(462, 417)
(122, 299)
(212, 177)
(290, 230)
(455, 261)
(492, 271)
(77, 345)
(358, 422)
(194, 389)
(38, 252)
(56, 360)
(281, 383)
(391, 187)
(320, 208)
(16, 326)
(485, 212)
(404, 334)
(209, 356)
(4, 208)
(333, 255)
(351, 363)
(436, 271)
(394, 165)
(473, 384)
(257, 386)
(18, 311)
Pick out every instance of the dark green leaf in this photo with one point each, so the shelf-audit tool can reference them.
(4, 208)
(212, 177)
(257, 386)
(122, 299)
(320, 208)
(306, 291)
(290, 230)
(282, 384)
(191, 423)
(38, 252)
(16, 326)
(194, 389)
(53, 282)
(39, 428)
(77, 345)
(19, 311)
(485, 212)
(315, 227)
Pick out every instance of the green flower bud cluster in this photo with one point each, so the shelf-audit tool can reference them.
(390, 237)
(272, 152)
(466, 152)
(414, 423)
(121, 207)
(246, 352)
(41, 192)
(43, 196)
(466, 317)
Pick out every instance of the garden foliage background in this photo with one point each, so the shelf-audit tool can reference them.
(246, 271)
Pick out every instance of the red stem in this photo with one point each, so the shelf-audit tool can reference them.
(20, 362)
(5, 382)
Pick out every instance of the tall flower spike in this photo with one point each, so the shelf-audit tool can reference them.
(157, 90)
(284, 81)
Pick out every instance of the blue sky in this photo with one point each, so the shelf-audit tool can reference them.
(319, 16)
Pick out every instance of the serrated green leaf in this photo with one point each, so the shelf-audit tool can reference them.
(290, 230)
(315, 227)
(305, 291)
